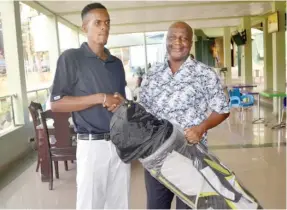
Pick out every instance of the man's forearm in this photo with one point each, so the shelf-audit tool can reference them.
(76, 103)
(213, 120)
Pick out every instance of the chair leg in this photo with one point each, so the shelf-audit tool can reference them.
(51, 184)
(282, 115)
(242, 115)
(51, 176)
(228, 122)
(38, 165)
(56, 164)
(66, 166)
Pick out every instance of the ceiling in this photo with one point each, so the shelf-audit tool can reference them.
(147, 16)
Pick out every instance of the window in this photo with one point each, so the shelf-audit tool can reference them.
(35, 35)
(156, 47)
(258, 57)
(129, 48)
(6, 119)
(82, 38)
(68, 37)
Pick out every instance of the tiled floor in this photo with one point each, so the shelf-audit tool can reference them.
(255, 153)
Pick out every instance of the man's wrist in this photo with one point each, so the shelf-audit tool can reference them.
(204, 127)
(98, 99)
(105, 99)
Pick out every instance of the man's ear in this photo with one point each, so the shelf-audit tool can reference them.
(84, 27)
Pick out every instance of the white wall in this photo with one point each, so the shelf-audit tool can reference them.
(15, 144)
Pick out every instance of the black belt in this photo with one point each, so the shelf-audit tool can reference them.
(102, 136)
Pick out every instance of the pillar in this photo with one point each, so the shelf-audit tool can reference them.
(246, 56)
(227, 53)
(192, 50)
(145, 52)
(268, 60)
(278, 53)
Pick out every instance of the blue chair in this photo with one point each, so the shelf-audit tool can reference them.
(239, 100)
(247, 100)
(282, 112)
(234, 101)
(235, 92)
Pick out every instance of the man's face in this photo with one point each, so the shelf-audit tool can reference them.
(96, 25)
(179, 41)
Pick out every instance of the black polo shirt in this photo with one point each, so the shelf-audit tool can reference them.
(80, 72)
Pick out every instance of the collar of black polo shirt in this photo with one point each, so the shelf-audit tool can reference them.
(89, 53)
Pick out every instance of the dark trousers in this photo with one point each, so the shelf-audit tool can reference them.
(158, 196)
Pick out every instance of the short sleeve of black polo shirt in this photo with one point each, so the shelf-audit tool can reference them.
(65, 76)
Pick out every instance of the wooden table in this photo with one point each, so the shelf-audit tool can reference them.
(280, 96)
(42, 150)
(259, 119)
(241, 85)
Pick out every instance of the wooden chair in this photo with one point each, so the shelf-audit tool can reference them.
(62, 149)
(33, 109)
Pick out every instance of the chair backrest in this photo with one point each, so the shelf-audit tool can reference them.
(45, 133)
(235, 92)
(247, 100)
(234, 101)
(62, 131)
(34, 111)
(63, 148)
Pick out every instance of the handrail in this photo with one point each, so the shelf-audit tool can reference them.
(47, 89)
(40, 89)
(11, 96)
(8, 95)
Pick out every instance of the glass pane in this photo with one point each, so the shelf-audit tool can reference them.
(129, 48)
(258, 57)
(36, 47)
(6, 117)
(3, 70)
(82, 38)
(156, 48)
(35, 33)
(68, 38)
(125, 40)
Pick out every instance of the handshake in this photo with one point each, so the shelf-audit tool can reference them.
(112, 101)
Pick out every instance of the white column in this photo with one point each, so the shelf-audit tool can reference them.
(13, 47)
(192, 51)
(246, 58)
(227, 53)
(145, 52)
(279, 54)
(268, 65)
(54, 42)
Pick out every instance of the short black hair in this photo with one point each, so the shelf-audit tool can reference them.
(90, 7)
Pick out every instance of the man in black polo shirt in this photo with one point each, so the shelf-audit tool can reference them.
(85, 84)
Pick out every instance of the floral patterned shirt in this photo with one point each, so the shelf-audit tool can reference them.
(186, 97)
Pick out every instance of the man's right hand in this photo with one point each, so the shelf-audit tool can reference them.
(112, 102)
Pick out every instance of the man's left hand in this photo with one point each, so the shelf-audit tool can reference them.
(194, 134)
(114, 107)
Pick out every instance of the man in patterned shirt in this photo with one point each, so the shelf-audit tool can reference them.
(184, 91)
